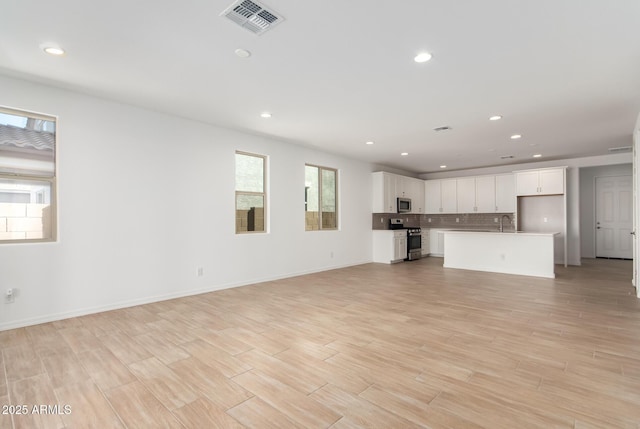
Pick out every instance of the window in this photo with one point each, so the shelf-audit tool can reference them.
(250, 192)
(27, 176)
(320, 198)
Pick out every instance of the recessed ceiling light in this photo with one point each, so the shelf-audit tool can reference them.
(537, 155)
(422, 57)
(443, 166)
(404, 153)
(516, 137)
(265, 115)
(495, 118)
(54, 50)
(369, 143)
(242, 53)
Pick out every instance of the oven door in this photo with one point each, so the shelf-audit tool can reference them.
(414, 242)
(414, 246)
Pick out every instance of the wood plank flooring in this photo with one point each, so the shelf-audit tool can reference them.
(373, 346)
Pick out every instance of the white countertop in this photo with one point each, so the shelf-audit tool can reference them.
(520, 233)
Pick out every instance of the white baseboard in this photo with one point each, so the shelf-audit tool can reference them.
(151, 299)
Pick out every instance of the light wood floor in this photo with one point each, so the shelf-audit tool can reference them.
(375, 346)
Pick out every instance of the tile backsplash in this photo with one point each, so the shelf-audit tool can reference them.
(489, 221)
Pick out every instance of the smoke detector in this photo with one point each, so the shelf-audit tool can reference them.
(253, 16)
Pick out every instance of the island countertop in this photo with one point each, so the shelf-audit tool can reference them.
(523, 253)
(482, 231)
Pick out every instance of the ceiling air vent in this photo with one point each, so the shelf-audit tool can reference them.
(252, 15)
(620, 149)
(445, 128)
(507, 157)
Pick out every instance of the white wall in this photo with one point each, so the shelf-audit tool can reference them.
(144, 199)
(587, 202)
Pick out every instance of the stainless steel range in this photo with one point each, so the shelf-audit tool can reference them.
(414, 244)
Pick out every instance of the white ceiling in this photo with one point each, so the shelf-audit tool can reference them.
(564, 73)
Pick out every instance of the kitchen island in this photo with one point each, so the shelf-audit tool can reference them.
(523, 253)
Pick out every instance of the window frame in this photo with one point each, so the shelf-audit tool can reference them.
(248, 193)
(52, 180)
(320, 198)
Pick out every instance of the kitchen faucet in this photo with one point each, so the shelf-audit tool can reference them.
(501, 224)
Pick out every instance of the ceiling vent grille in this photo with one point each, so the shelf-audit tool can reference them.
(440, 129)
(620, 149)
(252, 16)
(507, 157)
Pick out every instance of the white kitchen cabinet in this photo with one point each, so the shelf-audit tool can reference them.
(485, 194)
(384, 193)
(476, 194)
(436, 242)
(413, 189)
(466, 195)
(387, 187)
(549, 181)
(449, 199)
(505, 193)
(440, 196)
(552, 181)
(389, 246)
(432, 197)
(400, 245)
(426, 245)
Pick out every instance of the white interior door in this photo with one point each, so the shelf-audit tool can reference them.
(614, 222)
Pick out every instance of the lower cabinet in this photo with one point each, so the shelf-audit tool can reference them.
(436, 242)
(426, 245)
(389, 246)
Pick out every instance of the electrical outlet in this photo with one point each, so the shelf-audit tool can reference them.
(331, 254)
(200, 271)
(495, 220)
(9, 296)
(429, 220)
(381, 220)
(545, 220)
(457, 220)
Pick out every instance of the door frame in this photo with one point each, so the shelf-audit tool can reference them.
(636, 211)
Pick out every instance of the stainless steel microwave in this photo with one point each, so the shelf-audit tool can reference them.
(404, 205)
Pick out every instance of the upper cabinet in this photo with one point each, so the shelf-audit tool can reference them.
(440, 196)
(387, 187)
(476, 194)
(486, 194)
(413, 189)
(384, 193)
(505, 193)
(548, 181)
(480, 194)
